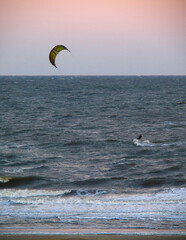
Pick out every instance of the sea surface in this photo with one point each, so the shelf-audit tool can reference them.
(70, 157)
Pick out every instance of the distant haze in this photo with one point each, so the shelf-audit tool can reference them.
(119, 37)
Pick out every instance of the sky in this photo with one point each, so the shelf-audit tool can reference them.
(105, 37)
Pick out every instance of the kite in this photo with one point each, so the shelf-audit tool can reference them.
(54, 52)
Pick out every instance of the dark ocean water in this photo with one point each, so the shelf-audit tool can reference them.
(70, 158)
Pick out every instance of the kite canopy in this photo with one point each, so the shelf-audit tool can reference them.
(54, 52)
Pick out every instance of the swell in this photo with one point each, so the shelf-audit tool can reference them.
(98, 181)
(11, 182)
(31, 196)
(162, 181)
(21, 169)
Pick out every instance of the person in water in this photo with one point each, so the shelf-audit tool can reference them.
(139, 137)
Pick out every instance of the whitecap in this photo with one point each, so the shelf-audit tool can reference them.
(143, 143)
(140, 207)
(5, 179)
(24, 193)
(12, 170)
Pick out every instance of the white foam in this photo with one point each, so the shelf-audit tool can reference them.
(42, 204)
(12, 193)
(147, 143)
(12, 170)
(143, 143)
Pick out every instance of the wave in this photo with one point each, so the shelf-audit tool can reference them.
(92, 181)
(138, 209)
(170, 124)
(14, 170)
(162, 181)
(143, 143)
(111, 140)
(25, 193)
(147, 143)
(154, 182)
(47, 197)
(10, 182)
(97, 181)
(92, 192)
(181, 102)
(76, 143)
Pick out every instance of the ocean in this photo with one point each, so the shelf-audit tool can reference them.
(70, 157)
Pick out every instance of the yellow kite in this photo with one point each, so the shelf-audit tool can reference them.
(54, 52)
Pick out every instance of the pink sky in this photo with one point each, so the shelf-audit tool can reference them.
(105, 36)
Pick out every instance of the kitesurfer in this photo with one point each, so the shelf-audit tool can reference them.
(139, 137)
